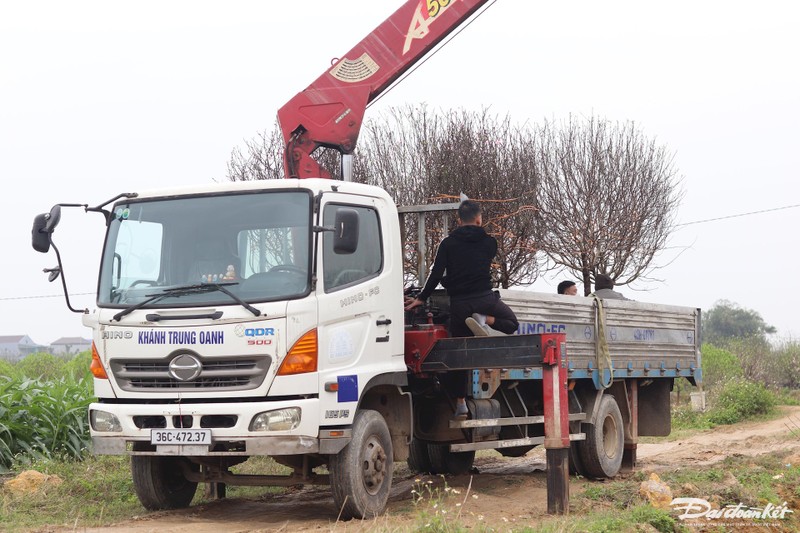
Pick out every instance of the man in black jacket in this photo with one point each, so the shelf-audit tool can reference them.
(463, 267)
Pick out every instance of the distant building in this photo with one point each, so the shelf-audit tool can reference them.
(70, 346)
(15, 347)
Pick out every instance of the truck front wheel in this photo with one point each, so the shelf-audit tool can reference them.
(601, 452)
(160, 483)
(361, 474)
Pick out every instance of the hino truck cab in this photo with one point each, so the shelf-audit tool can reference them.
(241, 319)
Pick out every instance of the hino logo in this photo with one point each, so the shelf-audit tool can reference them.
(117, 334)
(185, 367)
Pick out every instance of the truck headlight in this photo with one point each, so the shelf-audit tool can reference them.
(278, 420)
(104, 421)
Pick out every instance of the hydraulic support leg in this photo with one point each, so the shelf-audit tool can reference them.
(556, 421)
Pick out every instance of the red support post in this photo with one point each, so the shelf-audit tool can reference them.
(556, 421)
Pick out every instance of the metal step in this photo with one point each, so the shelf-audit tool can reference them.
(511, 421)
(507, 443)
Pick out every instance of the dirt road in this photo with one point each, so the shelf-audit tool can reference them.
(498, 491)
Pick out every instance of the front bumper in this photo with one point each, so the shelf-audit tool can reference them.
(234, 439)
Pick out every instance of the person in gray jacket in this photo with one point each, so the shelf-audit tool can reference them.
(604, 288)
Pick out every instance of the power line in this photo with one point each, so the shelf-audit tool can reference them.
(739, 215)
(432, 53)
(793, 206)
(45, 296)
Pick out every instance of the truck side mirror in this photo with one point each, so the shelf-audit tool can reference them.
(43, 227)
(345, 234)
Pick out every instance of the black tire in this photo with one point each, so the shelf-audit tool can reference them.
(443, 461)
(419, 461)
(159, 482)
(361, 474)
(601, 452)
(575, 463)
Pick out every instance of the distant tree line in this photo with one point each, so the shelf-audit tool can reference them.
(746, 337)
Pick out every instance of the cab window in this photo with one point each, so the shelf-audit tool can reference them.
(342, 270)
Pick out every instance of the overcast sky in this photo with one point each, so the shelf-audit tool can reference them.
(99, 98)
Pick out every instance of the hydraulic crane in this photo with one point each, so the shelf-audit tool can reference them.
(329, 112)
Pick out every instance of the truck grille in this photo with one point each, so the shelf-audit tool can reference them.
(222, 374)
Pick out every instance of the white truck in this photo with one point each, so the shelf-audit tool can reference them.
(266, 319)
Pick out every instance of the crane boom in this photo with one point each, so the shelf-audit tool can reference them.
(330, 111)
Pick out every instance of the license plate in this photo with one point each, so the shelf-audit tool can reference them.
(180, 436)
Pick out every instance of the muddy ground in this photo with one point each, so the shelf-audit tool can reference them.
(501, 493)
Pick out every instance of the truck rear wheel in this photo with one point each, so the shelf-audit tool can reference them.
(419, 461)
(361, 474)
(160, 483)
(444, 461)
(575, 463)
(601, 452)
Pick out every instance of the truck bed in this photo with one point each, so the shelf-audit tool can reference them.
(644, 340)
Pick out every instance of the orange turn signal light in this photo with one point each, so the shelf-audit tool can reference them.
(97, 367)
(302, 358)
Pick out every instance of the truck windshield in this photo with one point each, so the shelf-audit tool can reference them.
(258, 244)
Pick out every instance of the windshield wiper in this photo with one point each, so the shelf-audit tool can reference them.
(220, 287)
(150, 298)
(186, 290)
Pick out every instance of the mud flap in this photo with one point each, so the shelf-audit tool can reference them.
(654, 408)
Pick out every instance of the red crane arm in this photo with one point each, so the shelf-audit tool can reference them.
(330, 111)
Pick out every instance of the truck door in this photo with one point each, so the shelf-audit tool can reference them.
(352, 291)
